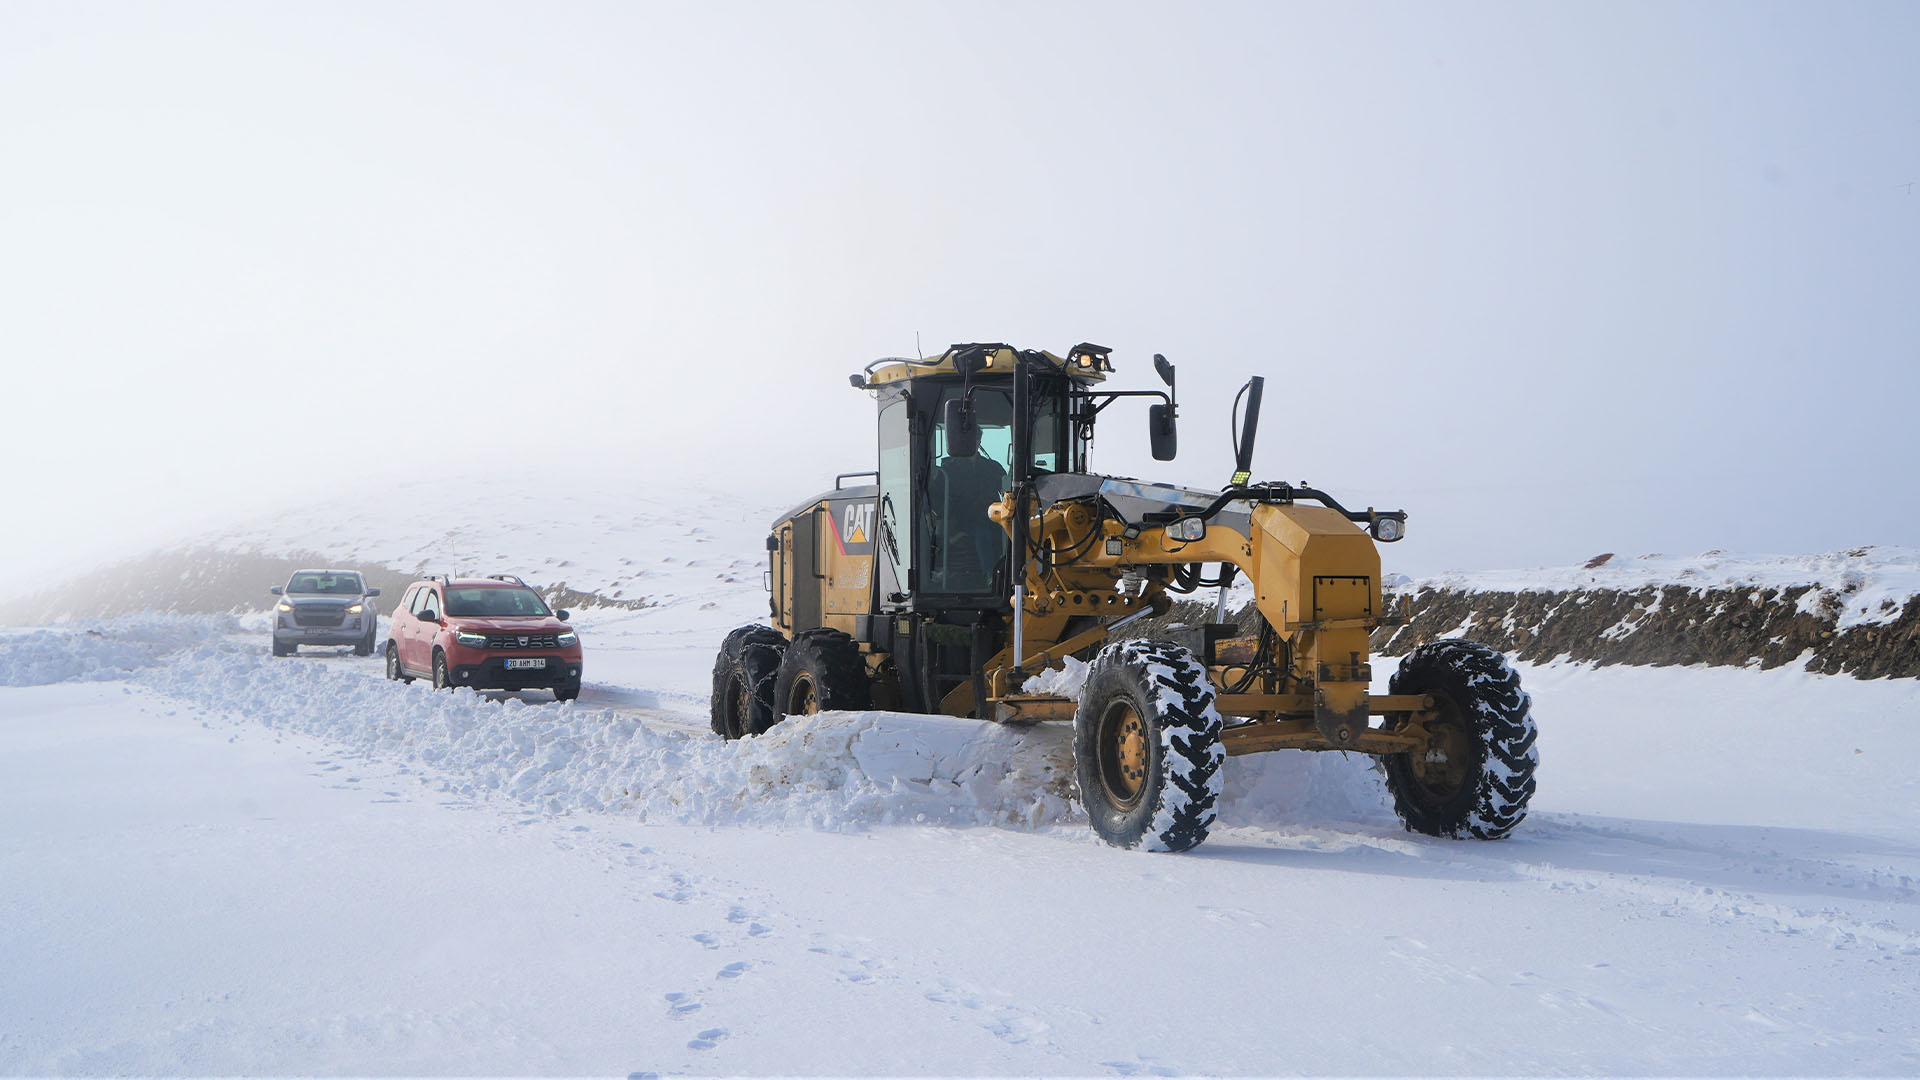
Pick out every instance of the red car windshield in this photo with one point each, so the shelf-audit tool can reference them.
(487, 600)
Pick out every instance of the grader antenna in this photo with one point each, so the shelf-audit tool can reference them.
(1242, 471)
(1243, 439)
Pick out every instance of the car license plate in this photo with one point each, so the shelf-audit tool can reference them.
(316, 633)
(526, 662)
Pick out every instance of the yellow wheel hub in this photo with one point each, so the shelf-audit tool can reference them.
(1123, 753)
(1441, 768)
(805, 698)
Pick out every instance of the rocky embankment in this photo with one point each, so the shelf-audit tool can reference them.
(1855, 613)
(1671, 624)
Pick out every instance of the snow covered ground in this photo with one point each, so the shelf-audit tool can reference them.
(214, 862)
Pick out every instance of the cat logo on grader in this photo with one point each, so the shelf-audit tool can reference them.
(859, 522)
(984, 551)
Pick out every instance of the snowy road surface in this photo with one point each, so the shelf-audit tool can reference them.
(213, 862)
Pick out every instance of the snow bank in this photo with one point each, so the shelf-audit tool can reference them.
(837, 771)
(103, 651)
(832, 771)
(1290, 788)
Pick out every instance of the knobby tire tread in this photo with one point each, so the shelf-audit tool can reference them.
(1499, 714)
(752, 655)
(833, 660)
(1170, 689)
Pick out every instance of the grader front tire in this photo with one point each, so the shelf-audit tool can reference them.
(1146, 746)
(1475, 775)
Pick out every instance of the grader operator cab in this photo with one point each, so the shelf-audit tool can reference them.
(984, 552)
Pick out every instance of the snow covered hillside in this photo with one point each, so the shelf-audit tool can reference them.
(214, 862)
(634, 540)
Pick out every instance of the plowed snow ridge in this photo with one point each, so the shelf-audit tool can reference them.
(835, 771)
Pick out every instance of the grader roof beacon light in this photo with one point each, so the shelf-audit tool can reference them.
(985, 550)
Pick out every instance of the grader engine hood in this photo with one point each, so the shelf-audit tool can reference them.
(1317, 577)
(1314, 568)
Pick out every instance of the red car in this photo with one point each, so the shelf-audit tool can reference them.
(491, 633)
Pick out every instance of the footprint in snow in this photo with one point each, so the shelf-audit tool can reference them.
(709, 940)
(1142, 1067)
(1003, 1020)
(680, 1004)
(733, 970)
(707, 1039)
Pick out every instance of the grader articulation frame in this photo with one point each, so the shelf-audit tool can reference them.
(984, 552)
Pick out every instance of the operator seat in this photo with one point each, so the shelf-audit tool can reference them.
(964, 487)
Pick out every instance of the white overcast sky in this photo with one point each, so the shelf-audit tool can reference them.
(1558, 278)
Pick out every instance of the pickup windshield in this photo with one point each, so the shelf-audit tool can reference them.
(326, 584)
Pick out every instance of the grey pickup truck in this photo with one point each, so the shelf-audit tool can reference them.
(324, 607)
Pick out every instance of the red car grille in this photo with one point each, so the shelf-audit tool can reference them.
(522, 641)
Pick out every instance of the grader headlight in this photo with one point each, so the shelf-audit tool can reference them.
(1387, 529)
(1188, 529)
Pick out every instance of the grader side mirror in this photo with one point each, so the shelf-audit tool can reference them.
(963, 434)
(1160, 432)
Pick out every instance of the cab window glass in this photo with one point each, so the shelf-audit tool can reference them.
(993, 412)
(962, 544)
(896, 489)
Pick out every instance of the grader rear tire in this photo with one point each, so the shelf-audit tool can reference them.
(1146, 746)
(1476, 774)
(822, 671)
(743, 674)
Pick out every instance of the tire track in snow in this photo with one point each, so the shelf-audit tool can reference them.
(1676, 869)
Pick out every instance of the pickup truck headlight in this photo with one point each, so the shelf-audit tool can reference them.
(568, 637)
(470, 640)
(356, 609)
(283, 606)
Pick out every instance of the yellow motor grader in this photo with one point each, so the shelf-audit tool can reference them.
(960, 575)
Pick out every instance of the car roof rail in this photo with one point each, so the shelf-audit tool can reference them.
(515, 578)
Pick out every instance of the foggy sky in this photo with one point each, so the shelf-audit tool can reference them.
(1557, 278)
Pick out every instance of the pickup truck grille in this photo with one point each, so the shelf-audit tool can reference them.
(332, 615)
(522, 641)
